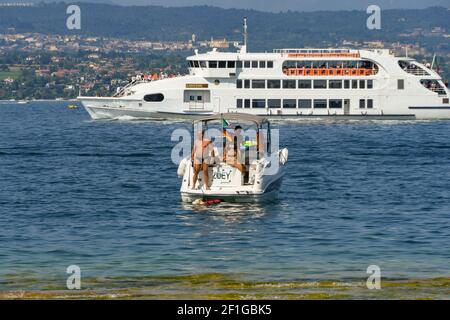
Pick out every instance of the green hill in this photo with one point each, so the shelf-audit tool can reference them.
(267, 30)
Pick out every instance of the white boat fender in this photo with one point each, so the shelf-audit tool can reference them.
(284, 156)
(182, 167)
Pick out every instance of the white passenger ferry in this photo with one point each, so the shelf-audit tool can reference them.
(287, 83)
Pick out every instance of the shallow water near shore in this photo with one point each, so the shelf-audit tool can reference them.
(104, 195)
(227, 286)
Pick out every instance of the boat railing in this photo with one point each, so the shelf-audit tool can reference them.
(122, 91)
(318, 53)
(416, 71)
(293, 50)
(434, 86)
(330, 71)
(440, 91)
(413, 68)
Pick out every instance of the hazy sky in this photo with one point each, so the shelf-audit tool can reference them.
(298, 5)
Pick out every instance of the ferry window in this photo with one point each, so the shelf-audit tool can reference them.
(222, 64)
(231, 64)
(369, 84)
(335, 84)
(346, 84)
(202, 64)
(304, 84)
(262, 64)
(353, 64)
(346, 64)
(258, 84)
(196, 64)
(246, 64)
(321, 64)
(335, 104)
(269, 64)
(274, 103)
(289, 84)
(290, 64)
(191, 64)
(239, 84)
(191, 98)
(304, 103)
(320, 104)
(247, 103)
(199, 98)
(213, 64)
(157, 97)
(362, 103)
(254, 64)
(331, 64)
(400, 84)
(258, 103)
(289, 103)
(273, 84)
(239, 64)
(369, 103)
(362, 84)
(247, 84)
(320, 84)
(354, 84)
(239, 103)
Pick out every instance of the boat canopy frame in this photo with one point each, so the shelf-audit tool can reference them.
(245, 117)
(234, 116)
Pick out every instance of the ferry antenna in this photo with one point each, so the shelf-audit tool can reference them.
(245, 34)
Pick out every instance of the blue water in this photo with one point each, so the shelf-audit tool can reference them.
(104, 195)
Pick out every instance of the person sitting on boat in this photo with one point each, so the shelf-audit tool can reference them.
(201, 158)
(232, 152)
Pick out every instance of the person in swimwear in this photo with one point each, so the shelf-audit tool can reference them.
(233, 155)
(201, 156)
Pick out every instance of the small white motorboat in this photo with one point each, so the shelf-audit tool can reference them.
(243, 163)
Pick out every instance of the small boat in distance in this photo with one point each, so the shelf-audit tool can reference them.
(249, 168)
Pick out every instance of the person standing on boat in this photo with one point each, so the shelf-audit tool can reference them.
(232, 153)
(201, 154)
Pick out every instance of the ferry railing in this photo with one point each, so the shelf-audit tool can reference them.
(122, 90)
(439, 91)
(329, 72)
(416, 71)
(293, 50)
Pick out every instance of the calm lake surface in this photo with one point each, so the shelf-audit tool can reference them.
(104, 195)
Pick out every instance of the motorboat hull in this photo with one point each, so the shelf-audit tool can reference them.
(270, 194)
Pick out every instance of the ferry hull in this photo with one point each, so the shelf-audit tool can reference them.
(114, 109)
(103, 113)
(114, 113)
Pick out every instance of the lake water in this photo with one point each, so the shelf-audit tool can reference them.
(104, 195)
